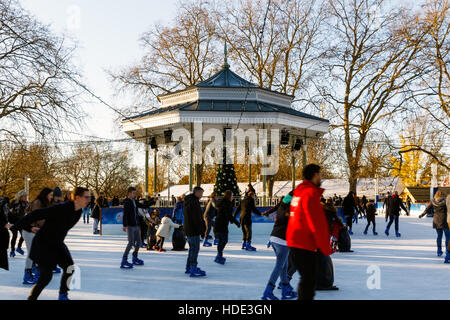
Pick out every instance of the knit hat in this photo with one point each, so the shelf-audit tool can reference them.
(287, 199)
(57, 192)
(20, 194)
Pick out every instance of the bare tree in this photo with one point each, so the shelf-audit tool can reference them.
(275, 42)
(370, 65)
(176, 56)
(35, 90)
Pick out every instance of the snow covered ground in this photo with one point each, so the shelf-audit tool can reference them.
(409, 268)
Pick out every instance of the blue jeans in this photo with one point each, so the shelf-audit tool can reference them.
(194, 249)
(439, 237)
(223, 240)
(281, 265)
(392, 219)
(86, 213)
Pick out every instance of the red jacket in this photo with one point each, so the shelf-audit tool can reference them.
(308, 226)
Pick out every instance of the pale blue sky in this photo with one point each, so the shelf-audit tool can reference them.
(107, 34)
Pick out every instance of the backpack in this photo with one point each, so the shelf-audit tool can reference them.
(325, 272)
(344, 240)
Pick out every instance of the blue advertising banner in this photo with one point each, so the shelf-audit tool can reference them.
(115, 215)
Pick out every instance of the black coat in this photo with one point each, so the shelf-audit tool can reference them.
(224, 216)
(103, 202)
(4, 241)
(194, 225)
(95, 214)
(48, 248)
(395, 204)
(281, 221)
(439, 213)
(130, 212)
(246, 208)
(349, 206)
(18, 210)
(371, 211)
(210, 210)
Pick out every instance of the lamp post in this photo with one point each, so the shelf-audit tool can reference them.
(168, 157)
(27, 186)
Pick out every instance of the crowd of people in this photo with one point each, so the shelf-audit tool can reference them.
(305, 231)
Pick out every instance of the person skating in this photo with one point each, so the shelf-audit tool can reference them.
(152, 221)
(335, 223)
(43, 200)
(57, 196)
(279, 245)
(115, 201)
(18, 209)
(245, 209)
(131, 227)
(95, 214)
(4, 235)
(223, 219)
(307, 230)
(48, 248)
(164, 232)
(386, 203)
(208, 216)
(194, 227)
(447, 204)
(439, 210)
(395, 204)
(370, 214)
(349, 210)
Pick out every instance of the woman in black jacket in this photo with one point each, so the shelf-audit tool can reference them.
(349, 210)
(279, 245)
(245, 209)
(223, 218)
(4, 240)
(209, 214)
(95, 214)
(19, 207)
(48, 248)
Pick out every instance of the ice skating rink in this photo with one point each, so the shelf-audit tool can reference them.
(408, 268)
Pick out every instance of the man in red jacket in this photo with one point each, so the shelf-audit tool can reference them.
(307, 230)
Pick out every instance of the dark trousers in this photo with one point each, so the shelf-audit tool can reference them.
(392, 219)
(291, 266)
(246, 231)
(151, 231)
(306, 264)
(368, 224)
(14, 239)
(209, 224)
(223, 240)
(440, 233)
(46, 274)
(194, 249)
(349, 222)
(160, 242)
(143, 227)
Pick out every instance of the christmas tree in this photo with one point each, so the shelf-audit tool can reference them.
(226, 180)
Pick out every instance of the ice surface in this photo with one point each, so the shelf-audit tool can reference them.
(409, 268)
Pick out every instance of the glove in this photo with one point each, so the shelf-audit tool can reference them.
(269, 244)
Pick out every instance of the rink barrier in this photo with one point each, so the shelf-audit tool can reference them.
(115, 215)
